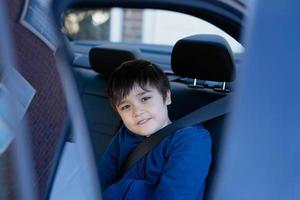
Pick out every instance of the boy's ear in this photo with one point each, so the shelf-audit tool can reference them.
(168, 98)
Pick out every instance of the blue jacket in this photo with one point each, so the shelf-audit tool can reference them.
(174, 169)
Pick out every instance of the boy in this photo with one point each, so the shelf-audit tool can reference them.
(177, 167)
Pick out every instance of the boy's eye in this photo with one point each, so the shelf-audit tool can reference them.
(145, 99)
(125, 107)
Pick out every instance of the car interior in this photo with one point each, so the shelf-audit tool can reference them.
(200, 68)
(190, 81)
(198, 57)
(56, 120)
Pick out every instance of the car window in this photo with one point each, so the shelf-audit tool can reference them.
(146, 26)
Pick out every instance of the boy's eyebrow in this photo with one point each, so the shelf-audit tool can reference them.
(143, 92)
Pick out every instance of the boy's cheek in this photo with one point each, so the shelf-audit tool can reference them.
(121, 114)
(126, 120)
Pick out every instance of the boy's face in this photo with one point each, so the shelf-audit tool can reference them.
(144, 111)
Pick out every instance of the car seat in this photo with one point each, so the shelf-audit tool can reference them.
(204, 65)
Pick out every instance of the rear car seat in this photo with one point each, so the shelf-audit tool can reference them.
(102, 120)
(203, 57)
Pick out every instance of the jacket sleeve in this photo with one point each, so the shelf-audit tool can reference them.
(188, 161)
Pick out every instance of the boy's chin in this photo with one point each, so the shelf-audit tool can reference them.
(148, 130)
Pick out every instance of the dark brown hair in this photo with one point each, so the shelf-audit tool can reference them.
(136, 72)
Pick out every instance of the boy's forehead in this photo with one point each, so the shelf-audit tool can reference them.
(137, 89)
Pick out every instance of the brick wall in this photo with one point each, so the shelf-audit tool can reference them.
(132, 25)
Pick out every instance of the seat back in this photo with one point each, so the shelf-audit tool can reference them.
(47, 112)
(207, 58)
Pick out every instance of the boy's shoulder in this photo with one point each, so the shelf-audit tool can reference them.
(191, 134)
(194, 138)
(197, 129)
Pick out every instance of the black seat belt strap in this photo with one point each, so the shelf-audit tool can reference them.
(210, 111)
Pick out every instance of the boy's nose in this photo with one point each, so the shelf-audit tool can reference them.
(137, 111)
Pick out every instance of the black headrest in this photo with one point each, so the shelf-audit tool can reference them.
(205, 57)
(105, 58)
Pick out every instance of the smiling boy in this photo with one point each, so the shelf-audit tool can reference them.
(177, 167)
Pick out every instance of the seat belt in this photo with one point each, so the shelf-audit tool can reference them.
(210, 111)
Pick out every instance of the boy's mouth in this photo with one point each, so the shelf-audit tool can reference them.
(143, 121)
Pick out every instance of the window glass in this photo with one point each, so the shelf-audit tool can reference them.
(137, 26)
